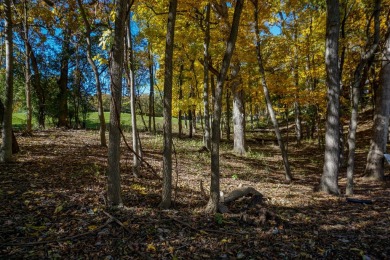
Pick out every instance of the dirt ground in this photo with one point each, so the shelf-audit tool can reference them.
(53, 204)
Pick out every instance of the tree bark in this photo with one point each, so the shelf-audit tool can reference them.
(116, 69)
(88, 30)
(152, 118)
(212, 205)
(270, 109)
(375, 159)
(27, 69)
(360, 77)
(131, 84)
(329, 179)
(6, 148)
(238, 112)
(63, 82)
(166, 198)
(206, 106)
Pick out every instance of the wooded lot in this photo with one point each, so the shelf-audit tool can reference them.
(217, 129)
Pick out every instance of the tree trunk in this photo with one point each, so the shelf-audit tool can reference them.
(37, 86)
(375, 160)
(63, 82)
(238, 111)
(116, 69)
(212, 205)
(227, 117)
(206, 106)
(166, 198)
(131, 85)
(102, 121)
(6, 148)
(267, 96)
(27, 70)
(329, 179)
(180, 122)
(151, 91)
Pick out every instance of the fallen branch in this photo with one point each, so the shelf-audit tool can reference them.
(240, 192)
(351, 200)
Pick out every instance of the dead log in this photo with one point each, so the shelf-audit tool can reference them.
(239, 193)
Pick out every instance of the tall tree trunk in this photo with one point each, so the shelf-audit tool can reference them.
(166, 198)
(131, 84)
(88, 31)
(152, 118)
(116, 69)
(180, 122)
(360, 77)
(63, 82)
(6, 148)
(238, 111)
(206, 106)
(375, 160)
(228, 116)
(212, 205)
(37, 86)
(270, 109)
(27, 69)
(329, 179)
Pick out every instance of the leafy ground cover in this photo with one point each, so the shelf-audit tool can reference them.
(53, 204)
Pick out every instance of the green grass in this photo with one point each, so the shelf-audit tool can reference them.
(19, 121)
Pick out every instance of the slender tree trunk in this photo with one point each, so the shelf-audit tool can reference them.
(212, 205)
(228, 116)
(131, 84)
(270, 109)
(238, 111)
(206, 106)
(329, 179)
(102, 130)
(116, 69)
(27, 70)
(6, 148)
(180, 122)
(37, 86)
(375, 160)
(152, 119)
(166, 198)
(63, 82)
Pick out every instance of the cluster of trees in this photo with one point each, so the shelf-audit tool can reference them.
(216, 60)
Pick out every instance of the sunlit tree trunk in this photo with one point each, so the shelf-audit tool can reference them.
(166, 198)
(375, 159)
(6, 148)
(206, 106)
(88, 31)
(131, 83)
(360, 76)
(116, 69)
(270, 109)
(238, 111)
(329, 179)
(212, 205)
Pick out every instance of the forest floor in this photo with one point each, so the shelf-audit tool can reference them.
(53, 204)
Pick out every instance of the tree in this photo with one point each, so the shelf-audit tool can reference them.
(167, 154)
(375, 159)
(130, 74)
(63, 81)
(116, 69)
(6, 148)
(329, 179)
(206, 106)
(213, 203)
(27, 68)
(88, 31)
(359, 79)
(267, 95)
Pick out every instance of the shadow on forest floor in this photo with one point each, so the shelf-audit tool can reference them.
(54, 204)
